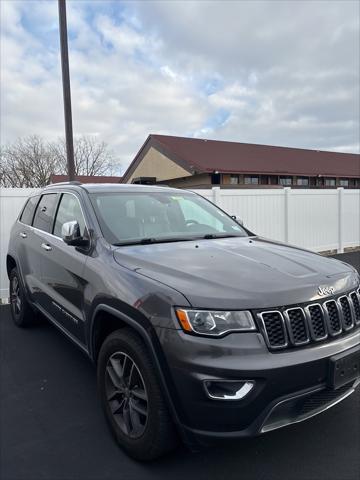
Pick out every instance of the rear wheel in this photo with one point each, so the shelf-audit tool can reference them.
(21, 311)
(132, 399)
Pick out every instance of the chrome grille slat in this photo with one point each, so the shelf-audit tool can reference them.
(355, 300)
(316, 319)
(300, 325)
(297, 326)
(274, 329)
(347, 314)
(333, 317)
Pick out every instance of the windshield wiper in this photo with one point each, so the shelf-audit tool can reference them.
(149, 240)
(210, 236)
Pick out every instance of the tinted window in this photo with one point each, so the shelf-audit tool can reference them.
(28, 212)
(45, 212)
(69, 209)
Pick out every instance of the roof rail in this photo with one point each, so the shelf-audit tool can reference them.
(73, 182)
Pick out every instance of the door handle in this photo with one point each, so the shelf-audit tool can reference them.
(23, 235)
(46, 247)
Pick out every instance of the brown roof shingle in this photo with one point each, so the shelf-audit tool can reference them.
(198, 155)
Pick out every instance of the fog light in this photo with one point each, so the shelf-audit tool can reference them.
(228, 389)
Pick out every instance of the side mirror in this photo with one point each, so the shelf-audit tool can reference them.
(70, 233)
(238, 220)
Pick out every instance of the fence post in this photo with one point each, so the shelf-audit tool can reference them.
(216, 195)
(287, 192)
(340, 192)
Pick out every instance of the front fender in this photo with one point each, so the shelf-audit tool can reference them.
(147, 332)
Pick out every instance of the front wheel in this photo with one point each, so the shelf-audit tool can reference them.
(21, 311)
(132, 399)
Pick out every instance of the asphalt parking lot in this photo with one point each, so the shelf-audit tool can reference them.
(51, 425)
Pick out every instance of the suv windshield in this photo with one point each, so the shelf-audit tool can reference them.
(150, 217)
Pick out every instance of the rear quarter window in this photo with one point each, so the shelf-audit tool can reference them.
(29, 209)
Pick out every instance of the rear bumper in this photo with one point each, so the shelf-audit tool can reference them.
(290, 386)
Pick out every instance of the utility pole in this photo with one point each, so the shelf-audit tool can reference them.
(66, 89)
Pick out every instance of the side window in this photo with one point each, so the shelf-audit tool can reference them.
(45, 212)
(28, 212)
(69, 209)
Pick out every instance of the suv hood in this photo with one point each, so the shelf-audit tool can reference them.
(238, 273)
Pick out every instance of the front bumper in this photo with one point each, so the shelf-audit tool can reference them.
(290, 386)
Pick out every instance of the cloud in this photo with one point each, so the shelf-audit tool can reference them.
(284, 73)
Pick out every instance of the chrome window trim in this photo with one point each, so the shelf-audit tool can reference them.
(51, 234)
(346, 328)
(57, 209)
(308, 315)
(339, 332)
(263, 327)
(290, 330)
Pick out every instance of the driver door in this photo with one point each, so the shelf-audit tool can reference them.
(63, 271)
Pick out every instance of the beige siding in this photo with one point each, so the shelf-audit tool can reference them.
(198, 180)
(155, 164)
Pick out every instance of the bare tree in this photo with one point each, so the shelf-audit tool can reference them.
(91, 156)
(27, 163)
(30, 161)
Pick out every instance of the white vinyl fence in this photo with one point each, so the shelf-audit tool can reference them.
(315, 219)
(11, 201)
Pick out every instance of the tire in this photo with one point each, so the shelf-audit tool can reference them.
(129, 388)
(22, 313)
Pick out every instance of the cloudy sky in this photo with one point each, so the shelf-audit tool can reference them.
(268, 72)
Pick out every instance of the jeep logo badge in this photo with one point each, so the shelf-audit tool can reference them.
(325, 290)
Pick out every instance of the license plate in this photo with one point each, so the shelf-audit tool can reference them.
(344, 368)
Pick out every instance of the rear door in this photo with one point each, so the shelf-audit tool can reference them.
(39, 243)
(25, 245)
(63, 279)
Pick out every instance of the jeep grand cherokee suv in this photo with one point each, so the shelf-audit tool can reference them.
(199, 328)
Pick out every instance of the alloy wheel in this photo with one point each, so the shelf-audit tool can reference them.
(126, 394)
(15, 296)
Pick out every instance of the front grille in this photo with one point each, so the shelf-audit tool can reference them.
(317, 322)
(356, 304)
(346, 311)
(275, 330)
(298, 328)
(333, 316)
(299, 325)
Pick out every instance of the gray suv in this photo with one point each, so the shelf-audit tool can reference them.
(199, 329)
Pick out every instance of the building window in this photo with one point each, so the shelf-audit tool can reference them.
(330, 182)
(344, 182)
(285, 181)
(215, 179)
(302, 181)
(234, 179)
(251, 180)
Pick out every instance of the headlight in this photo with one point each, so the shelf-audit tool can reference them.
(215, 322)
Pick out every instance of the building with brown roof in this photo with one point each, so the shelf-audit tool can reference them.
(192, 162)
